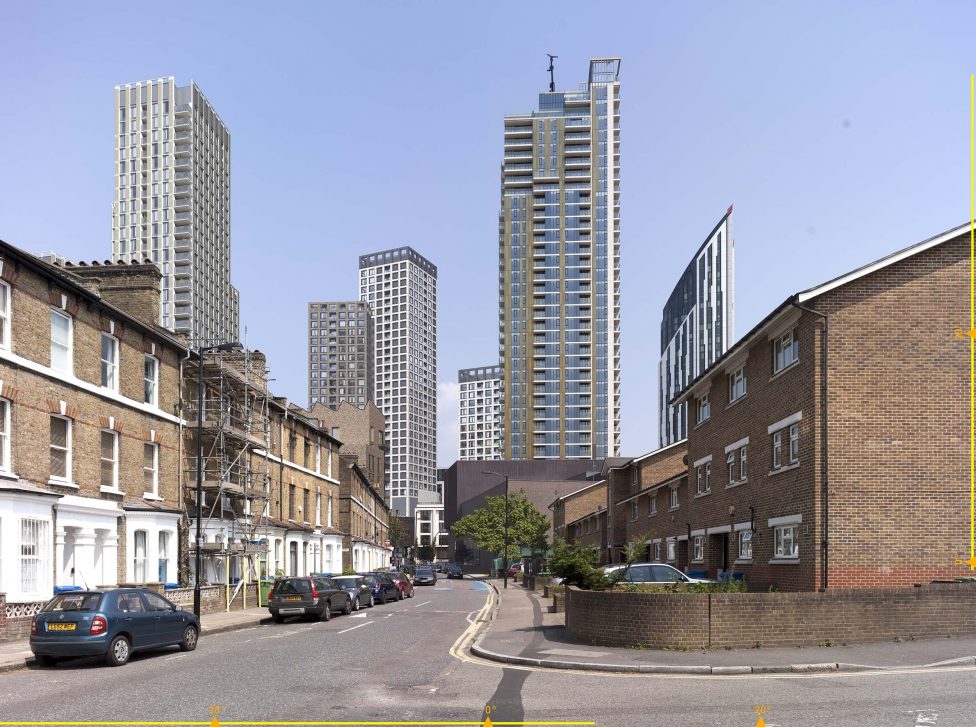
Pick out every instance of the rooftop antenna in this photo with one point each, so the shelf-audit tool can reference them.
(552, 77)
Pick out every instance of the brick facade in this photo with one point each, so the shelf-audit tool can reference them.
(581, 516)
(362, 432)
(90, 478)
(364, 519)
(746, 620)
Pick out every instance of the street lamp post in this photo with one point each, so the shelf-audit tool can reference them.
(199, 549)
(505, 554)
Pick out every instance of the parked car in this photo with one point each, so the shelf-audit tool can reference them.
(659, 574)
(513, 569)
(359, 591)
(425, 576)
(454, 571)
(113, 623)
(307, 596)
(404, 586)
(382, 586)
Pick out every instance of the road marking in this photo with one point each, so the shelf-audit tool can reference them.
(357, 615)
(178, 656)
(925, 717)
(388, 615)
(421, 604)
(353, 628)
(439, 588)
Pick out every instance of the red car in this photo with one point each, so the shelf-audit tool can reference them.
(513, 569)
(403, 584)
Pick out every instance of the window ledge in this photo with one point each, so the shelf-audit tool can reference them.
(784, 370)
(698, 562)
(785, 561)
(737, 483)
(736, 401)
(672, 509)
(652, 514)
(703, 421)
(9, 476)
(63, 483)
(110, 490)
(743, 561)
(702, 494)
(151, 496)
(787, 468)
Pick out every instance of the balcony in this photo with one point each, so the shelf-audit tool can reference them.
(183, 122)
(182, 164)
(183, 136)
(183, 244)
(183, 217)
(182, 204)
(183, 231)
(183, 311)
(183, 150)
(183, 109)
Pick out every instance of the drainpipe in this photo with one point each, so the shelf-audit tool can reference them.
(825, 496)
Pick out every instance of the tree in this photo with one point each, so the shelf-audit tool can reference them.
(527, 526)
(426, 552)
(576, 564)
(398, 533)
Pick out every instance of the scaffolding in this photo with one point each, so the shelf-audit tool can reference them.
(235, 435)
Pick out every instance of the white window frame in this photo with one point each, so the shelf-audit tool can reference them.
(154, 492)
(671, 551)
(704, 408)
(39, 560)
(151, 383)
(634, 510)
(743, 463)
(737, 384)
(777, 449)
(786, 350)
(162, 556)
(657, 552)
(109, 368)
(6, 466)
(780, 542)
(745, 545)
(730, 461)
(68, 347)
(652, 504)
(139, 561)
(66, 478)
(114, 486)
(793, 453)
(698, 548)
(674, 498)
(5, 320)
(708, 477)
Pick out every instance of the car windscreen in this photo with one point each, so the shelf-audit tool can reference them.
(296, 585)
(348, 581)
(425, 572)
(75, 602)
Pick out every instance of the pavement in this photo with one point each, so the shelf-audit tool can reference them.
(17, 654)
(523, 632)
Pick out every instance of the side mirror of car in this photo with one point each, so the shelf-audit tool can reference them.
(177, 607)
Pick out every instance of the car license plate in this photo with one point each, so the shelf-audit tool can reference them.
(291, 610)
(62, 627)
(293, 598)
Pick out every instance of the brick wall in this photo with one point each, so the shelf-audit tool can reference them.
(743, 620)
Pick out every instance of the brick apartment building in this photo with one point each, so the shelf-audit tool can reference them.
(364, 518)
(362, 432)
(89, 427)
(827, 447)
(581, 516)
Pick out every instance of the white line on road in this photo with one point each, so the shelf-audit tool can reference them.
(178, 656)
(421, 604)
(353, 628)
(357, 615)
(388, 615)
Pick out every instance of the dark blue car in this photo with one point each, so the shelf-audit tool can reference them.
(113, 623)
(383, 587)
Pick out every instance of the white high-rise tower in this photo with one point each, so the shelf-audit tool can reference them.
(172, 203)
(401, 288)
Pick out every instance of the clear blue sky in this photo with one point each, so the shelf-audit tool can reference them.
(838, 130)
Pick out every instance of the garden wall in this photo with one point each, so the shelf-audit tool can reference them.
(742, 620)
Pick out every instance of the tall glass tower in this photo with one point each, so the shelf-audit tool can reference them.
(559, 273)
(697, 325)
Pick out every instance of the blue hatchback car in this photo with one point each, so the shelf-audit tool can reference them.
(113, 623)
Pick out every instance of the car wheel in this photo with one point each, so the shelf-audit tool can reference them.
(189, 641)
(326, 612)
(348, 609)
(382, 599)
(372, 601)
(355, 604)
(399, 595)
(45, 661)
(410, 595)
(119, 651)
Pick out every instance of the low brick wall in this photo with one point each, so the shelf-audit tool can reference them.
(15, 618)
(743, 620)
(558, 602)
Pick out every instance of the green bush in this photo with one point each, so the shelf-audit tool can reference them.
(725, 587)
(576, 564)
(348, 571)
